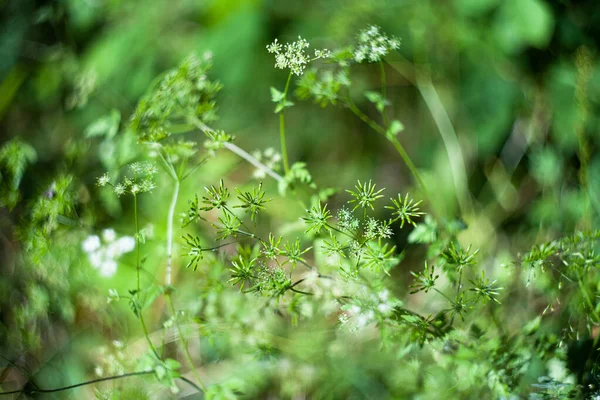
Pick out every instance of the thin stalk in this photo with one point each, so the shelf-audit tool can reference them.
(171, 214)
(108, 378)
(442, 120)
(239, 151)
(286, 166)
(450, 139)
(60, 389)
(399, 148)
(138, 268)
(137, 242)
(246, 156)
(184, 343)
(443, 295)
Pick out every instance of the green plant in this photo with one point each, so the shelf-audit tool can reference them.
(325, 302)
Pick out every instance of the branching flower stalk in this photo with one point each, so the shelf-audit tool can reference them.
(290, 56)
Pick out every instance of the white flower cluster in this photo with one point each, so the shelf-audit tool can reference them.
(293, 55)
(112, 360)
(347, 220)
(373, 45)
(375, 229)
(270, 158)
(102, 254)
(140, 183)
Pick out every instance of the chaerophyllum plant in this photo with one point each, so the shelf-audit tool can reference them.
(289, 308)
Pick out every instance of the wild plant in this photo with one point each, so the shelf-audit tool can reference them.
(283, 302)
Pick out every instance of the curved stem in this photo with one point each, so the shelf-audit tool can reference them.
(238, 151)
(399, 148)
(171, 214)
(184, 343)
(246, 156)
(442, 120)
(108, 378)
(60, 389)
(138, 268)
(286, 166)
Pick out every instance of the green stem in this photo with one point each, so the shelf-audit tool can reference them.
(284, 155)
(238, 151)
(138, 268)
(108, 378)
(443, 295)
(170, 233)
(184, 343)
(399, 148)
(137, 241)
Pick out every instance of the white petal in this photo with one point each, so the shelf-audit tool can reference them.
(91, 244)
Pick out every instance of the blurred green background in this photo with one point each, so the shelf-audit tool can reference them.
(518, 79)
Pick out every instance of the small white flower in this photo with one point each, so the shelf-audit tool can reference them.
(96, 259)
(119, 189)
(373, 45)
(125, 244)
(293, 55)
(384, 308)
(384, 295)
(103, 180)
(259, 174)
(91, 244)
(108, 268)
(109, 235)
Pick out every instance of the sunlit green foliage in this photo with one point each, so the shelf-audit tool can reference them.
(269, 262)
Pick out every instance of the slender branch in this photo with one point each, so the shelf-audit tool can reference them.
(450, 139)
(138, 268)
(286, 165)
(433, 102)
(60, 389)
(171, 214)
(184, 344)
(399, 148)
(246, 156)
(238, 151)
(108, 378)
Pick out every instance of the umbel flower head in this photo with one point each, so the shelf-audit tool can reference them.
(140, 182)
(293, 55)
(373, 45)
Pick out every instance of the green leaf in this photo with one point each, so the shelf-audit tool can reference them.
(532, 326)
(373, 97)
(276, 95)
(394, 128)
(282, 106)
(172, 364)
